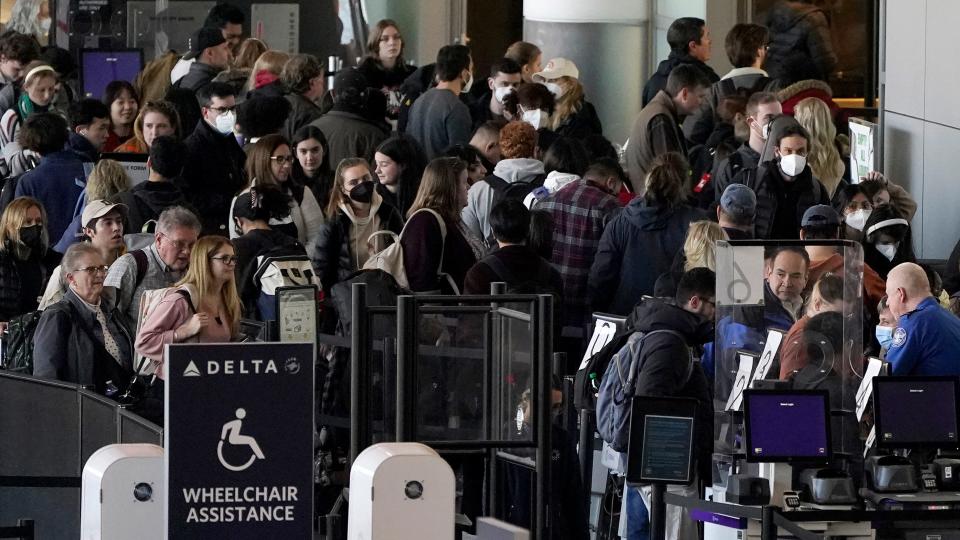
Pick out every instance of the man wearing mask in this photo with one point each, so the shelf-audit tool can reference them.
(762, 108)
(785, 186)
(927, 336)
(438, 119)
(656, 130)
(212, 54)
(504, 78)
(214, 164)
(581, 211)
(347, 127)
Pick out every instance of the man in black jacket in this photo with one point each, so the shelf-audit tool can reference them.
(214, 164)
(669, 369)
(762, 109)
(146, 200)
(303, 77)
(690, 43)
(212, 54)
(89, 128)
(349, 131)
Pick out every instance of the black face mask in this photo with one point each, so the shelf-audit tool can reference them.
(362, 192)
(30, 236)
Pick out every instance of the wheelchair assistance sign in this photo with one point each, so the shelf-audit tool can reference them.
(239, 440)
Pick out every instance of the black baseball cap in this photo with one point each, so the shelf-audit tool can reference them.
(204, 38)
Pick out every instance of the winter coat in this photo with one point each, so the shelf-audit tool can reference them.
(200, 75)
(656, 131)
(214, 176)
(57, 182)
(13, 300)
(582, 123)
(658, 81)
(636, 248)
(302, 112)
(800, 44)
(773, 219)
(349, 135)
(146, 200)
(476, 215)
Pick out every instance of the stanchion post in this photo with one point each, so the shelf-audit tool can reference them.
(658, 511)
(586, 452)
(543, 332)
(359, 361)
(406, 361)
(768, 527)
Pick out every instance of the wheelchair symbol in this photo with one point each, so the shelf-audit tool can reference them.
(231, 434)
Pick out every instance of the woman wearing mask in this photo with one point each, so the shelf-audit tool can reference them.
(854, 207)
(879, 191)
(23, 245)
(384, 66)
(203, 307)
(35, 95)
(574, 115)
(532, 103)
(827, 295)
(156, 118)
(123, 101)
(269, 163)
(399, 164)
(823, 156)
(435, 242)
(887, 240)
(355, 212)
(312, 167)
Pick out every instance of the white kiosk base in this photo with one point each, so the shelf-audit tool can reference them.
(123, 493)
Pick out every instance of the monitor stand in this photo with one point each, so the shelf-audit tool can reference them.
(780, 477)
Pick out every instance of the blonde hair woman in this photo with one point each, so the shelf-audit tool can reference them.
(203, 307)
(573, 115)
(267, 69)
(700, 245)
(823, 156)
(106, 180)
(250, 50)
(23, 244)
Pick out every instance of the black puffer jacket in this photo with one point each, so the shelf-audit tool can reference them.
(13, 299)
(146, 200)
(214, 175)
(658, 81)
(800, 43)
(771, 189)
(582, 123)
(333, 258)
(665, 366)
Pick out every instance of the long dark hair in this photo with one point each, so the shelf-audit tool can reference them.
(408, 153)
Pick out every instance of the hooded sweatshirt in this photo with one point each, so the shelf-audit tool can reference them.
(476, 215)
(554, 182)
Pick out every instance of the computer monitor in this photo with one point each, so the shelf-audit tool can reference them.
(98, 67)
(787, 426)
(916, 412)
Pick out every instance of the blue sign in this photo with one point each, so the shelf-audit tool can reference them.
(239, 440)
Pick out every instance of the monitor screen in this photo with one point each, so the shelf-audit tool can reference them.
(100, 67)
(785, 426)
(901, 402)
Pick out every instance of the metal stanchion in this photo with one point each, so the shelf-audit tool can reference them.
(658, 511)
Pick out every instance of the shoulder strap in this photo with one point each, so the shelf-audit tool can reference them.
(140, 256)
(186, 296)
(498, 268)
(637, 362)
(495, 182)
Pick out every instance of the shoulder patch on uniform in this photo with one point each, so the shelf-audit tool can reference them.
(899, 337)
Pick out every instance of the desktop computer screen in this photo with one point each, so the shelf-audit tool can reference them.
(99, 67)
(915, 412)
(787, 425)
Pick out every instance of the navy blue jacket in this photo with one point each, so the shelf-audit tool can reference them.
(57, 183)
(636, 247)
(926, 342)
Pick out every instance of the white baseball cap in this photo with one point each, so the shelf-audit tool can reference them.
(556, 68)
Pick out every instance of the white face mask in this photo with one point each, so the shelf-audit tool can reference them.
(793, 164)
(225, 122)
(555, 89)
(536, 118)
(468, 84)
(858, 219)
(888, 250)
(501, 92)
(764, 129)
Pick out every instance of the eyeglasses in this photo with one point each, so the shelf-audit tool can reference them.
(94, 270)
(180, 246)
(226, 259)
(283, 160)
(221, 110)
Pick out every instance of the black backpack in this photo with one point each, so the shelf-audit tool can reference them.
(19, 354)
(512, 190)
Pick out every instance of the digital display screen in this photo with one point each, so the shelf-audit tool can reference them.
(787, 426)
(100, 68)
(916, 411)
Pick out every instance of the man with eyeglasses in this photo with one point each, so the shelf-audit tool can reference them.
(155, 267)
(82, 338)
(213, 170)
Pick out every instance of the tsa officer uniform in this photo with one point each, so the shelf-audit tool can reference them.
(926, 342)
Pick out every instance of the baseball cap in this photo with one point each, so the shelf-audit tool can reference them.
(819, 216)
(739, 202)
(204, 38)
(98, 209)
(556, 68)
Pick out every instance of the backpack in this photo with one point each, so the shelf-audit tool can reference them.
(148, 304)
(281, 266)
(19, 343)
(517, 191)
(540, 284)
(615, 398)
(390, 259)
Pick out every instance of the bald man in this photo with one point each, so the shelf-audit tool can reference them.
(927, 338)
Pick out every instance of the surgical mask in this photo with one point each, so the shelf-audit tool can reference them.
(225, 122)
(555, 89)
(30, 236)
(764, 130)
(888, 250)
(501, 93)
(884, 336)
(536, 118)
(362, 192)
(793, 164)
(858, 219)
(468, 84)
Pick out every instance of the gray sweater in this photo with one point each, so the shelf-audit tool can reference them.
(439, 120)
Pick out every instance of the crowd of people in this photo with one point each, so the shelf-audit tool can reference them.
(471, 181)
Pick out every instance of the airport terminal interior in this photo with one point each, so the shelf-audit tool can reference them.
(479, 269)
